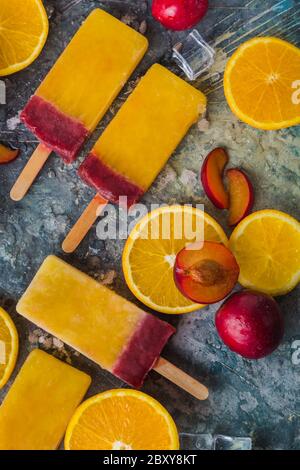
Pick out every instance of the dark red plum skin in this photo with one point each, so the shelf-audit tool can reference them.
(250, 323)
(177, 14)
(205, 180)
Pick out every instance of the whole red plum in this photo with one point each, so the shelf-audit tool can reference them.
(250, 324)
(179, 14)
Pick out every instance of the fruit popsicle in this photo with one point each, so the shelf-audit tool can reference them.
(100, 324)
(82, 84)
(137, 143)
(35, 413)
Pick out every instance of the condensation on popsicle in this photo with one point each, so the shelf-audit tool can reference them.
(82, 84)
(137, 143)
(100, 324)
(35, 412)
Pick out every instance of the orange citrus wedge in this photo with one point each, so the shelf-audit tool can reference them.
(23, 33)
(262, 83)
(9, 347)
(151, 249)
(121, 419)
(266, 245)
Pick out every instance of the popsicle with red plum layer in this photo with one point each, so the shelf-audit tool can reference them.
(100, 324)
(78, 90)
(137, 143)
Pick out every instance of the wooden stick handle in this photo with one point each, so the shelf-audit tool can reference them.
(180, 378)
(83, 224)
(30, 172)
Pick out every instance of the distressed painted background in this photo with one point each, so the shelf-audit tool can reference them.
(257, 399)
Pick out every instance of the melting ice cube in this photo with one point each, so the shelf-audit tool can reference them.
(193, 55)
(190, 441)
(231, 443)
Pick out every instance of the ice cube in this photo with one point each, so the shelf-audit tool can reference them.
(190, 441)
(193, 55)
(221, 442)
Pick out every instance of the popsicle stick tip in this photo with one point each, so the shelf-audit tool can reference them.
(205, 393)
(182, 379)
(30, 172)
(83, 224)
(67, 247)
(15, 195)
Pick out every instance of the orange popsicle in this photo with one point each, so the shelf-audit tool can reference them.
(80, 87)
(107, 328)
(137, 143)
(35, 413)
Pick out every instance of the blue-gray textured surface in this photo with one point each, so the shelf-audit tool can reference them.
(259, 399)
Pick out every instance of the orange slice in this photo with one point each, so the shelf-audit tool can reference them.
(150, 252)
(23, 33)
(262, 83)
(266, 245)
(9, 347)
(121, 419)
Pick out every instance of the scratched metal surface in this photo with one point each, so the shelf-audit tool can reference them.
(257, 399)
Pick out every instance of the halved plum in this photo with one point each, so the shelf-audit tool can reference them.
(212, 177)
(7, 154)
(241, 195)
(205, 272)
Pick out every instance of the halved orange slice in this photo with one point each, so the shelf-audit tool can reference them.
(121, 419)
(262, 83)
(266, 245)
(23, 33)
(9, 347)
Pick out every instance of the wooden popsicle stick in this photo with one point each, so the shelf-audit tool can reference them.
(30, 172)
(180, 378)
(83, 224)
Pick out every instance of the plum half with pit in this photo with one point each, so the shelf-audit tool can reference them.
(205, 272)
(250, 323)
